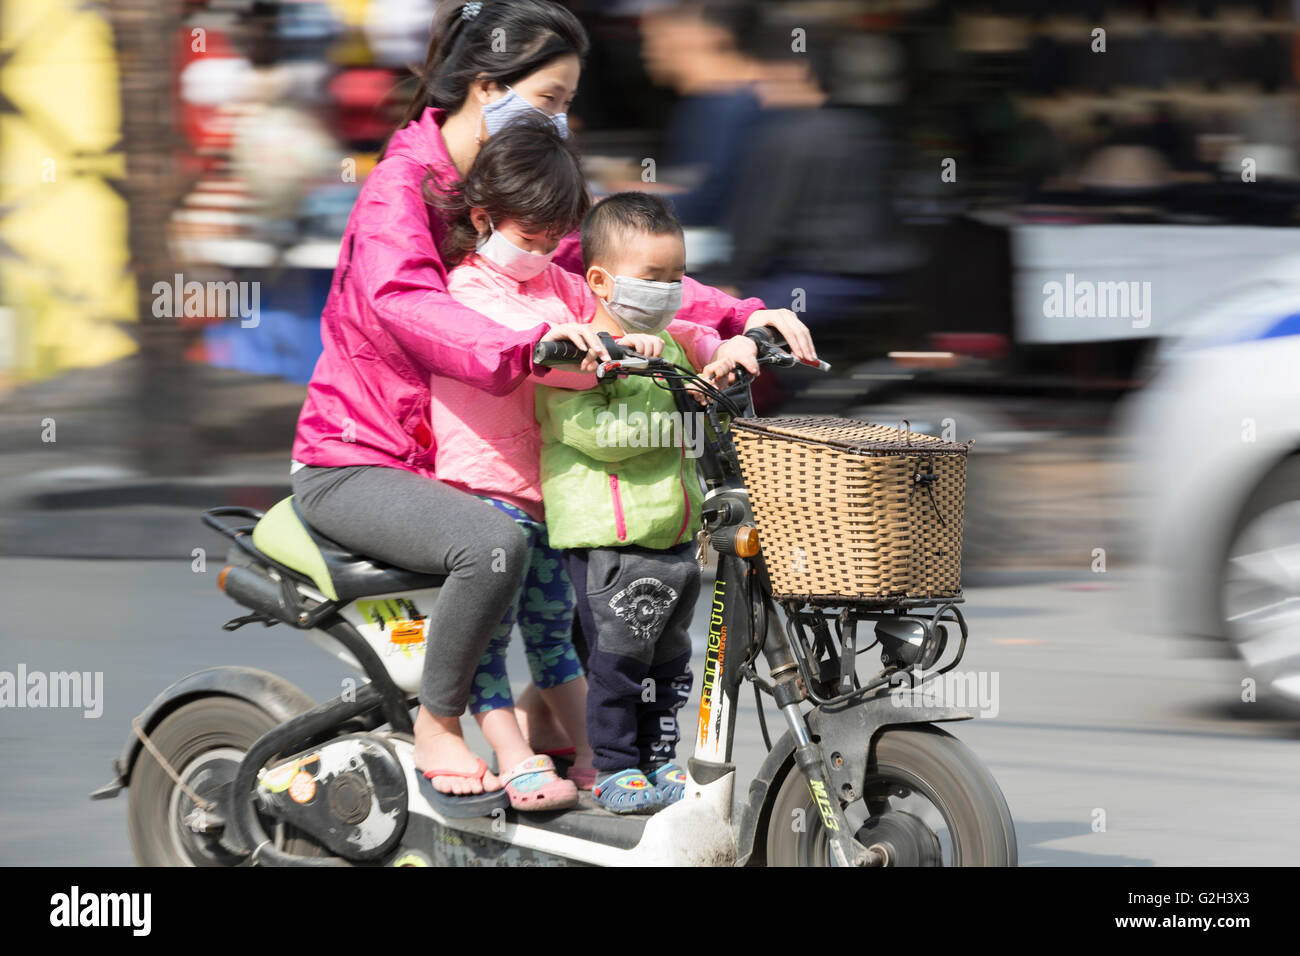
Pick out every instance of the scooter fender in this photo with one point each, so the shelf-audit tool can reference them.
(275, 695)
(847, 729)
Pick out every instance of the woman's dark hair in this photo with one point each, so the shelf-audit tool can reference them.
(526, 173)
(621, 215)
(505, 41)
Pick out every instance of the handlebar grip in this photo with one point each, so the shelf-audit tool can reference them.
(761, 335)
(556, 352)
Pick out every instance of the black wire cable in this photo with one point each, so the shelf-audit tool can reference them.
(664, 371)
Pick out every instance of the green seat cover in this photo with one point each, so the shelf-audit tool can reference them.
(282, 535)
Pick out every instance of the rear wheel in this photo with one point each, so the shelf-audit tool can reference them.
(204, 741)
(926, 796)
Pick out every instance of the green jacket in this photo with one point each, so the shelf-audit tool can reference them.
(615, 468)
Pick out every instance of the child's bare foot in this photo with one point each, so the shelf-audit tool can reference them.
(581, 771)
(440, 746)
(538, 725)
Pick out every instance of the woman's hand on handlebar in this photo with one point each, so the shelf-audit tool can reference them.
(794, 332)
(584, 337)
(651, 346)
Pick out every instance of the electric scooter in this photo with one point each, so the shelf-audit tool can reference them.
(236, 766)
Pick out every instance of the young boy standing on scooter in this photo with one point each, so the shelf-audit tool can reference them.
(624, 504)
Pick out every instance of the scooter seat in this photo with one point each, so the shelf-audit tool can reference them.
(338, 572)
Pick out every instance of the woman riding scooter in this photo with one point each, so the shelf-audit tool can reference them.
(362, 470)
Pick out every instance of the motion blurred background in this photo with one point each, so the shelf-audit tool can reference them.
(1063, 230)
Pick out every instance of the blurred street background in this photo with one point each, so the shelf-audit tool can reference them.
(1066, 231)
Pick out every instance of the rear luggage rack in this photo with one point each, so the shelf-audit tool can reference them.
(241, 535)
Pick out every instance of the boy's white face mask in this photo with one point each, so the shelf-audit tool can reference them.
(519, 264)
(642, 305)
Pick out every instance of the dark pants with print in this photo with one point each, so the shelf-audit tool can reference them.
(635, 607)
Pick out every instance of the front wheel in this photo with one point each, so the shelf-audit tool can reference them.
(926, 796)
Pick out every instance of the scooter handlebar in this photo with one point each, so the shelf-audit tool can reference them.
(557, 352)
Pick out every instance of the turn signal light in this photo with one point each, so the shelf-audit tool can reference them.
(221, 578)
(746, 541)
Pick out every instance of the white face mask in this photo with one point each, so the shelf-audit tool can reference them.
(642, 305)
(519, 264)
(501, 113)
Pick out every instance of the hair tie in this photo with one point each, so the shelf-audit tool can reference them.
(470, 10)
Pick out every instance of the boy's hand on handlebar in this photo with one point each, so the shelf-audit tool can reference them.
(651, 346)
(794, 332)
(584, 336)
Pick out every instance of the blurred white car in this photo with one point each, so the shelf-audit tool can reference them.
(1214, 441)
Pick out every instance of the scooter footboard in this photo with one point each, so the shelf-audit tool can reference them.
(847, 731)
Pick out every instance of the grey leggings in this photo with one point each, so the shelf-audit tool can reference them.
(403, 519)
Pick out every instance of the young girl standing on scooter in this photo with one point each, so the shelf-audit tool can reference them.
(524, 192)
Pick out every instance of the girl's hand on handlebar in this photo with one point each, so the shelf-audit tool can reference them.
(721, 372)
(651, 346)
(794, 332)
(739, 352)
(584, 336)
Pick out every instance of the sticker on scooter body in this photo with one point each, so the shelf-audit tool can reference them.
(714, 703)
(823, 802)
(401, 620)
(449, 847)
(397, 627)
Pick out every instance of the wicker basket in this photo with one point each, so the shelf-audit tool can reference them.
(849, 512)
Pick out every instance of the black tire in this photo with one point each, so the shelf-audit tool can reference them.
(210, 726)
(1275, 503)
(931, 763)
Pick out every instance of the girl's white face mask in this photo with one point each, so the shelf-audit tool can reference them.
(501, 113)
(642, 305)
(519, 264)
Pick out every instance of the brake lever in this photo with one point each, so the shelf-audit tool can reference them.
(616, 351)
(621, 366)
(774, 352)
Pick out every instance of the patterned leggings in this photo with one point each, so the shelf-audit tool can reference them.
(543, 609)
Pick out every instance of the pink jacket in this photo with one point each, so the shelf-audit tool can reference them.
(389, 322)
(491, 444)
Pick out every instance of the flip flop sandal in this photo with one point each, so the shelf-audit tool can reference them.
(669, 781)
(456, 806)
(626, 791)
(534, 785)
(584, 778)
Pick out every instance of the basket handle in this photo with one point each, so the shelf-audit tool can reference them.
(928, 479)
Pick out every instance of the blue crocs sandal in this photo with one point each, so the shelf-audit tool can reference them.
(669, 781)
(626, 791)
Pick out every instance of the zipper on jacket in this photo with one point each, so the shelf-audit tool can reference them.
(620, 523)
(685, 497)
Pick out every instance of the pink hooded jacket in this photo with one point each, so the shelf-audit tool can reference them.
(492, 444)
(389, 322)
